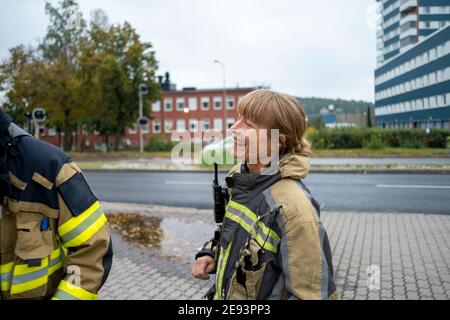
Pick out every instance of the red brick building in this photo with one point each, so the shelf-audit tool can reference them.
(187, 109)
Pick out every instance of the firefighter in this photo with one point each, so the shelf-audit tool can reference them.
(272, 244)
(54, 237)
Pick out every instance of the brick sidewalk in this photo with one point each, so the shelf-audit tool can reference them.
(412, 252)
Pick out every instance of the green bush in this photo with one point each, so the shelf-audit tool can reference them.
(374, 142)
(412, 144)
(159, 143)
(373, 138)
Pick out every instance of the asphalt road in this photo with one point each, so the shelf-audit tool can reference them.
(407, 193)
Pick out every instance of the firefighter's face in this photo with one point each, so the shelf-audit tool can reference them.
(250, 140)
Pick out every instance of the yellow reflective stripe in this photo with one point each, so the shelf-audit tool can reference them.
(66, 290)
(22, 269)
(27, 286)
(28, 278)
(219, 277)
(75, 221)
(5, 276)
(87, 234)
(262, 242)
(249, 213)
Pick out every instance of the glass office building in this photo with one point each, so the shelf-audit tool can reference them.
(412, 80)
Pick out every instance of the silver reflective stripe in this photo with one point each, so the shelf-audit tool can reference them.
(5, 277)
(62, 295)
(267, 238)
(79, 229)
(324, 283)
(30, 276)
(38, 273)
(284, 254)
(270, 200)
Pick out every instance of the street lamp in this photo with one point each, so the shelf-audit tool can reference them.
(142, 121)
(224, 96)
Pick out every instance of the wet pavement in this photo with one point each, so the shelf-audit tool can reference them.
(410, 252)
(174, 239)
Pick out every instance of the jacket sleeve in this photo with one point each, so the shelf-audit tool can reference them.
(210, 247)
(84, 232)
(303, 264)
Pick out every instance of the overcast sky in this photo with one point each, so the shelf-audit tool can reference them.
(322, 48)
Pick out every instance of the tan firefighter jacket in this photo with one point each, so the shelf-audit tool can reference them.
(272, 243)
(54, 237)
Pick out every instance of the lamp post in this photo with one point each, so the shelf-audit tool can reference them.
(224, 97)
(142, 121)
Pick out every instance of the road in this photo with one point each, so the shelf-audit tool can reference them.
(404, 193)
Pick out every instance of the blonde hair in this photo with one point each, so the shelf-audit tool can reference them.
(274, 110)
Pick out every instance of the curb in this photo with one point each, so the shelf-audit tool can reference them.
(350, 171)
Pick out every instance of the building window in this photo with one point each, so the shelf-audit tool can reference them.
(217, 103)
(230, 102)
(51, 131)
(168, 126)
(181, 124)
(447, 99)
(432, 78)
(425, 80)
(193, 104)
(156, 106)
(419, 104)
(145, 129)
(168, 104)
(441, 100)
(433, 54)
(206, 125)
(218, 124)
(156, 127)
(433, 102)
(205, 103)
(193, 125)
(180, 104)
(132, 129)
(230, 122)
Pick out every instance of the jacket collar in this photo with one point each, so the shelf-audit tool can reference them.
(294, 166)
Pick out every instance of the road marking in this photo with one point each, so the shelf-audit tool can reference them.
(189, 182)
(411, 186)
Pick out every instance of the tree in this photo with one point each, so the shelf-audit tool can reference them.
(113, 63)
(369, 117)
(317, 122)
(60, 51)
(20, 78)
(82, 77)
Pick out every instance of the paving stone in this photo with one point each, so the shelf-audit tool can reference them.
(410, 269)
